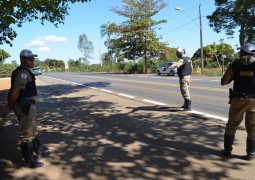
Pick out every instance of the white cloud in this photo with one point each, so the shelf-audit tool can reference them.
(36, 43)
(54, 38)
(43, 49)
(41, 41)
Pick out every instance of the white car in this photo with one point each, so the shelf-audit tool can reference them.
(36, 71)
(165, 70)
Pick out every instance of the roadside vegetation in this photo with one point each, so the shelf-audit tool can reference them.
(115, 67)
(133, 46)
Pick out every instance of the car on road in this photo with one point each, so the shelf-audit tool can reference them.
(36, 71)
(163, 69)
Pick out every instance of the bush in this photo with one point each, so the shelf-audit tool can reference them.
(6, 70)
(211, 64)
(212, 72)
(151, 66)
(120, 67)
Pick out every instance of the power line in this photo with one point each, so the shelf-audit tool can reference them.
(180, 27)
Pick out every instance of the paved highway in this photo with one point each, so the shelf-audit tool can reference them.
(208, 96)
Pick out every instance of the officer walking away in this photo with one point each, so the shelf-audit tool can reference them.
(242, 100)
(184, 71)
(21, 98)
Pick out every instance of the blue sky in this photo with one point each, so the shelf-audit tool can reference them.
(61, 43)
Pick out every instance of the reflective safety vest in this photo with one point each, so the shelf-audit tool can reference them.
(185, 69)
(244, 77)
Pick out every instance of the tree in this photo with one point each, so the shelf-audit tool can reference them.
(107, 29)
(14, 63)
(15, 13)
(231, 14)
(86, 47)
(169, 54)
(213, 53)
(3, 55)
(106, 58)
(136, 37)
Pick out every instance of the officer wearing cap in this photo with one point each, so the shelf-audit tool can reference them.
(242, 73)
(21, 98)
(184, 71)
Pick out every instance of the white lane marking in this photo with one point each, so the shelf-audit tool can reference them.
(154, 102)
(149, 101)
(93, 87)
(63, 80)
(216, 80)
(105, 90)
(210, 115)
(126, 95)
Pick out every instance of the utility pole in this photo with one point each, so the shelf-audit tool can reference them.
(201, 34)
(100, 53)
(201, 41)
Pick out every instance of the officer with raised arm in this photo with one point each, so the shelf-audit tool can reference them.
(184, 71)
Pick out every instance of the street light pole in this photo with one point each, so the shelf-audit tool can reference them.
(201, 41)
(180, 9)
(201, 34)
(100, 58)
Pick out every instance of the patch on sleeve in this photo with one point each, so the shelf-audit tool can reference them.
(22, 83)
(24, 76)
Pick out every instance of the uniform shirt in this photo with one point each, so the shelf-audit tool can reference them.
(228, 75)
(21, 78)
(180, 63)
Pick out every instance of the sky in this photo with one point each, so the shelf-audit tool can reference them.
(181, 30)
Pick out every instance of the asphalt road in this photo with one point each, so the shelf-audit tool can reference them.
(99, 135)
(208, 96)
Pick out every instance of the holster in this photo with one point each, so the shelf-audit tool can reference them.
(230, 95)
(25, 105)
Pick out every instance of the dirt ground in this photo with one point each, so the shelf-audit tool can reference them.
(93, 135)
(5, 84)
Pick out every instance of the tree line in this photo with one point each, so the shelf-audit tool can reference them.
(134, 39)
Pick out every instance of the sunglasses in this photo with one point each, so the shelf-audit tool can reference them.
(31, 59)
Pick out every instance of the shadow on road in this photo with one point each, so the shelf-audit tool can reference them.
(90, 138)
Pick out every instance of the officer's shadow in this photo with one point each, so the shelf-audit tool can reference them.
(9, 143)
(156, 108)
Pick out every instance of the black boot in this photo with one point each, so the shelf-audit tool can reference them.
(37, 147)
(250, 149)
(27, 153)
(187, 106)
(228, 142)
(184, 104)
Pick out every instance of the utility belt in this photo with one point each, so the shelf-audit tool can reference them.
(243, 95)
(233, 94)
(25, 105)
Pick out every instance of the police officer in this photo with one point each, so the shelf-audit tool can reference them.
(184, 71)
(242, 72)
(21, 98)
